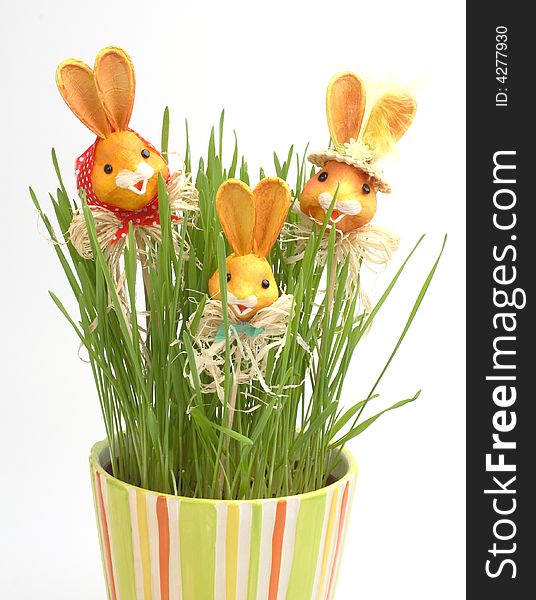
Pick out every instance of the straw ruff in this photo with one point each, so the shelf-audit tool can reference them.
(249, 353)
(182, 196)
(371, 245)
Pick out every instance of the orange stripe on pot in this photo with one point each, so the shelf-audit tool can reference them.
(288, 547)
(154, 544)
(277, 548)
(342, 518)
(106, 539)
(163, 545)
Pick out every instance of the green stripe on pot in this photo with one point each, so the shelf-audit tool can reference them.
(255, 550)
(121, 538)
(306, 547)
(197, 531)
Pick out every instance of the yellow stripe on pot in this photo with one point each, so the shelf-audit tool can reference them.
(231, 550)
(351, 491)
(121, 539)
(141, 505)
(328, 545)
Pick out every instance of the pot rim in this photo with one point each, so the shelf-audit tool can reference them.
(350, 473)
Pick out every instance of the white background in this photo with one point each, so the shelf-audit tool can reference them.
(268, 65)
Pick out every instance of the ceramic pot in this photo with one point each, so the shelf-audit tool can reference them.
(160, 547)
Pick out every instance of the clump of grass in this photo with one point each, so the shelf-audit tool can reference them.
(164, 433)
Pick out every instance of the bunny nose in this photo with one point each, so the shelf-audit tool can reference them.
(242, 306)
(135, 181)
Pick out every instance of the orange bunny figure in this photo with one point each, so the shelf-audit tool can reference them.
(348, 170)
(251, 221)
(119, 172)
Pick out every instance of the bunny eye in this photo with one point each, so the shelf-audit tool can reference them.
(145, 153)
(265, 284)
(323, 176)
(228, 277)
(366, 188)
(108, 169)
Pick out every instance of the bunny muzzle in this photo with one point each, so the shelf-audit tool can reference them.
(135, 181)
(341, 208)
(242, 306)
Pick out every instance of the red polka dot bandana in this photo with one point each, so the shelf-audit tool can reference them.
(146, 217)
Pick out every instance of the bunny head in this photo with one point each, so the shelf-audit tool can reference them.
(120, 170)
(251, 221)
(348, 169)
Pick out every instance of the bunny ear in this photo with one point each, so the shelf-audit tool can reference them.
(345, 105)
(114, 77)
(389, 119)
(77, 86)
(236, 211)
(272, 202)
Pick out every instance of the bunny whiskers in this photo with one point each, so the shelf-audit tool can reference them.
(250, 342)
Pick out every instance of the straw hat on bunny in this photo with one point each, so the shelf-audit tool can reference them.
(118, 173)
(350, 167)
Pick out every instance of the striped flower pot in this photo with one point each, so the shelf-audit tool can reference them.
(160, 547)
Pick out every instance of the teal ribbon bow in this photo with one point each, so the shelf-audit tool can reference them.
(246, 328)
